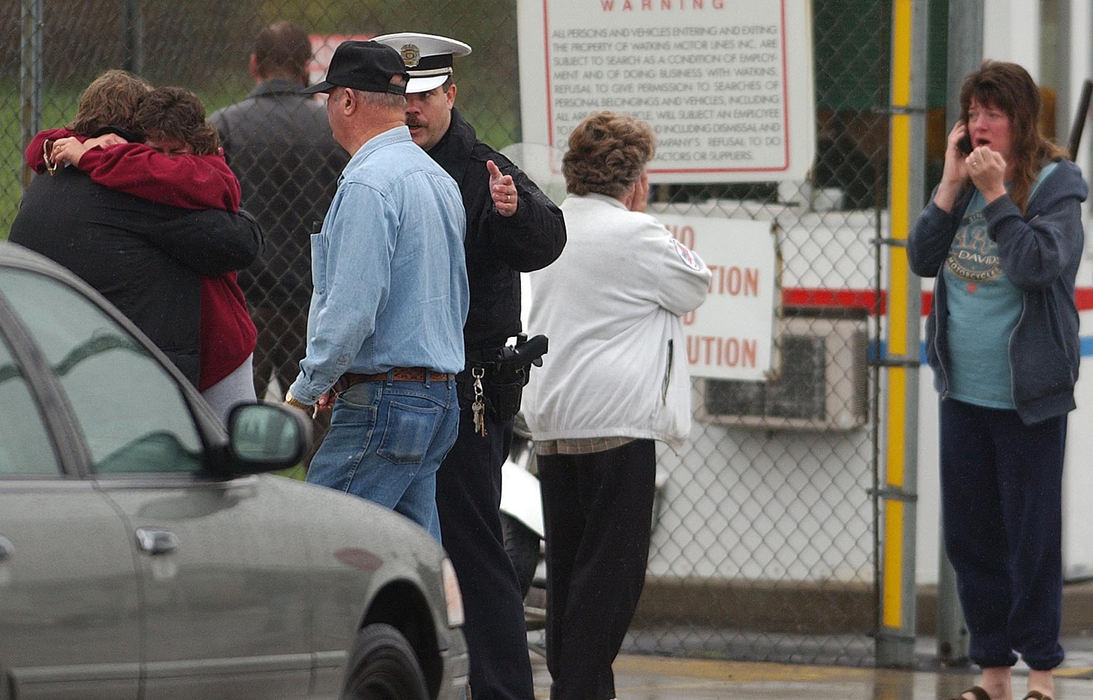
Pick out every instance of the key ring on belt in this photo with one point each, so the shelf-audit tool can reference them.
(478, 408)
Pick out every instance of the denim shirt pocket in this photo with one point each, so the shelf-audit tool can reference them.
(318, 261)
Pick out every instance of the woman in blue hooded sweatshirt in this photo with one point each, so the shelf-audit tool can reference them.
(1003, 236)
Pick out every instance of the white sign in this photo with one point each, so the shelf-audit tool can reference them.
(731, 335)
(725, 84)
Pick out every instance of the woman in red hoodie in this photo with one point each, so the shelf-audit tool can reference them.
(180, 164)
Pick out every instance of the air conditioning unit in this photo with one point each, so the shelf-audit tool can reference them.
(821, 383)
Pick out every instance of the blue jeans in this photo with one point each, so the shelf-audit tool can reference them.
(386, 442)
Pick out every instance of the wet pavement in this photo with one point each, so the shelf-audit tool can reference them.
(640, 677)
(699, 665)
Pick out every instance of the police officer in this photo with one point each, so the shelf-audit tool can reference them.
(512, 227)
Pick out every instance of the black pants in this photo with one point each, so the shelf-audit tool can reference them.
(597, 511)
(1001, 509)
(468, 495)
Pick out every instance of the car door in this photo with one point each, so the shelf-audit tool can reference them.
(69, 607)
(225, 596)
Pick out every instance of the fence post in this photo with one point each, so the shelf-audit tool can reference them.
(30, 75)
(134, 38)
(965, 51)
(895, 643)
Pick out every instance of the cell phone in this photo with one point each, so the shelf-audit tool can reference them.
(964, 145)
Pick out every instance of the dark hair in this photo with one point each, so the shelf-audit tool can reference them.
(111, 100)
(178, 113)
(282, 50)
(1008, 87)
(607, 154)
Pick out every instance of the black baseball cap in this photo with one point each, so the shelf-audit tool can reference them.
(363, 65)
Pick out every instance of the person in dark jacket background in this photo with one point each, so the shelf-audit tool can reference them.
(512, 227)
(1003, 236)
(278, 143)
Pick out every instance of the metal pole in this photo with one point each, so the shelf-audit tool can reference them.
(30, 76)
(895, 643)
(965, 53)
(1064, 96)
(134, 38)
(1074, 140)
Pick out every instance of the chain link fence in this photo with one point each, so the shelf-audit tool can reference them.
(765, 545)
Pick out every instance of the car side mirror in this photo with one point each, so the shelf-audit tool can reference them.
(265, 437)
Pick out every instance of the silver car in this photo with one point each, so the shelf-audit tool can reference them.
(144, 555)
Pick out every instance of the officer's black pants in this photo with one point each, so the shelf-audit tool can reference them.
(468, 494)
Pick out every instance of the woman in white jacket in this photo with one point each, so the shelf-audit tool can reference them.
(614, 382)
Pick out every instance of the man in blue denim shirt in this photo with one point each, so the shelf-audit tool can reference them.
(384, 336)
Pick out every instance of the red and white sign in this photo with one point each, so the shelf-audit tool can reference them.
(731, 335)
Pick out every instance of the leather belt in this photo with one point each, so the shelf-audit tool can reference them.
(398, 374)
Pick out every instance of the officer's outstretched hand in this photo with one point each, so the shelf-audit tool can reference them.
(502, 189)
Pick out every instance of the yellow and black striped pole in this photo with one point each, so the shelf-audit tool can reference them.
(898, 487)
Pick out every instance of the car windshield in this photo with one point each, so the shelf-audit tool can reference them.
(133, 414)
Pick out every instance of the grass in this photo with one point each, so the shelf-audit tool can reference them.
(57, 109)
(298, 473)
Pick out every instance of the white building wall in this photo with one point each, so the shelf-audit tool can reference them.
(1078, 476)
(1011, 32)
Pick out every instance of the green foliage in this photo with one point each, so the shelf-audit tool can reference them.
(56, 111)
(297, 473)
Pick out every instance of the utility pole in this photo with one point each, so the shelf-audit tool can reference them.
(965, 52)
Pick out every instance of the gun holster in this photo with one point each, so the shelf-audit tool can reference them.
(503, 372)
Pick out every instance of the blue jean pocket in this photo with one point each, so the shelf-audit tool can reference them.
(344, 446)
(408, 432)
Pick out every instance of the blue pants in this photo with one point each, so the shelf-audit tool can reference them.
(598, 514)
(1001, 508)
(468, 495)
(386, 442)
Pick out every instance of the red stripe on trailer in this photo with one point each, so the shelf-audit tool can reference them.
(867, 299)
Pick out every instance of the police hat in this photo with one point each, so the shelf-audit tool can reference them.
(428, 58)
(363, 65)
